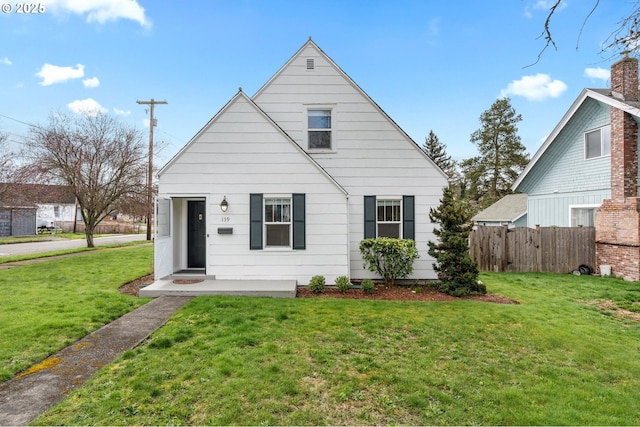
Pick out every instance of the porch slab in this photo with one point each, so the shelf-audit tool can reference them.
(208, 286)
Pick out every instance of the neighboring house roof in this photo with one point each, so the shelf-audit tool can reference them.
(35, 194)
(508, 209)
(601, 95)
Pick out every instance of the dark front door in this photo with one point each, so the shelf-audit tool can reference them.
(196, 236)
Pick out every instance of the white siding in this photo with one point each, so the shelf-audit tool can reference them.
(241, 152)
(370, 154)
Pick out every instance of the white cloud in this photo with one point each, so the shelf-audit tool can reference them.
(89, 107)
(120, 112)
(597, 73)
(102, 11)
(92, 82)
(535, 88)
(6, 61)
(548, 4)
(51, 74)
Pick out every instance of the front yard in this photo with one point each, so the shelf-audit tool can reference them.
(566, 355)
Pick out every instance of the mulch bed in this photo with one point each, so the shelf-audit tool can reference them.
(400, 293)
(382, 292)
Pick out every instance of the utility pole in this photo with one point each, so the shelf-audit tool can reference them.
(152, 123)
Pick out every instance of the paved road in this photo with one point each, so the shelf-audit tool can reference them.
(35, 247)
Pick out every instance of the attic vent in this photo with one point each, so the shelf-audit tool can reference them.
(310, 64)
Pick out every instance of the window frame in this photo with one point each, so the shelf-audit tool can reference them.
(584, 206)
(603, 131)
(330, 130)
(394, 202)
(265, 224)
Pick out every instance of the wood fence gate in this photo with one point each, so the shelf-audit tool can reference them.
(542, 249)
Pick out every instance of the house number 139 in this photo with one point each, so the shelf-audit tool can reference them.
(226, 219)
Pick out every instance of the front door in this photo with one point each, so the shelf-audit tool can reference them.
(196, 236)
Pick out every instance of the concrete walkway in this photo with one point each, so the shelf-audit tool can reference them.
(34, 391)
(173, 286)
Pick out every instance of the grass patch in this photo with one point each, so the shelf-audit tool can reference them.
(38, 255)
(49, 305)
(256, 361)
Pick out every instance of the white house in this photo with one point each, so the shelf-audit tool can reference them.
(285, 184)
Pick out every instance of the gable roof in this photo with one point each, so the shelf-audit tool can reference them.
(25, 195)
(508, 209)
(601, 95)
(311, 43)
(244, 97)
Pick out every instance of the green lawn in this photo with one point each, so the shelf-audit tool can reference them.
(49, 305)
(554, 359)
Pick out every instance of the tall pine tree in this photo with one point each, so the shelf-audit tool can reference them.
(437, 151)
(502, 157)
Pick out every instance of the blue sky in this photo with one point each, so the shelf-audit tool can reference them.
(430, 64)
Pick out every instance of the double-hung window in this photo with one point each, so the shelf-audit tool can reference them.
(277, 222)
(319, 128)
(389, 218)
(597, 143)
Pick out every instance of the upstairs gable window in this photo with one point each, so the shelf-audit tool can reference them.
(597, 143)
(319, 124)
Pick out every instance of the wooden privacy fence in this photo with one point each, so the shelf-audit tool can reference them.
(542, 249)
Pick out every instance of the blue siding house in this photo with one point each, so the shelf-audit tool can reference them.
(587, 172)
(570, 175)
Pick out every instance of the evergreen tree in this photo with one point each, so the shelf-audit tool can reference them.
(437, 151)
(457, 272)
(502, 157)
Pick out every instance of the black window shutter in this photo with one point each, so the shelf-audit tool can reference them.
(299, 211)
(408, 217)
(369, 217)
(255, 219)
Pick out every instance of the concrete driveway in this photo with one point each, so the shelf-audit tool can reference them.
(35, 247)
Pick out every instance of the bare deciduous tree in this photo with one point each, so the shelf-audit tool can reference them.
(625, 38)
(101, 159)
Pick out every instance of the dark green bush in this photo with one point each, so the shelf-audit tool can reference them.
(316, 285)
(342, 283)
(367, 286)
(390, 258)
(457, 272)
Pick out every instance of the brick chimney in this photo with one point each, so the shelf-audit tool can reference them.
(624, 79)
(624, 131)
(618, 219)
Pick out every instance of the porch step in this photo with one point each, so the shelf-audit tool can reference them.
(254, 288)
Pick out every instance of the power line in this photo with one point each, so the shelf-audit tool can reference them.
(20, 121)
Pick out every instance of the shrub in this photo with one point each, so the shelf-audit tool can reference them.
(316, 285)
(342, 283)
(457, 272)
(367, 286)
(390, 258)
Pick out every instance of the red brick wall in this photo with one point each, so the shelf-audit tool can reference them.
(624, 260)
